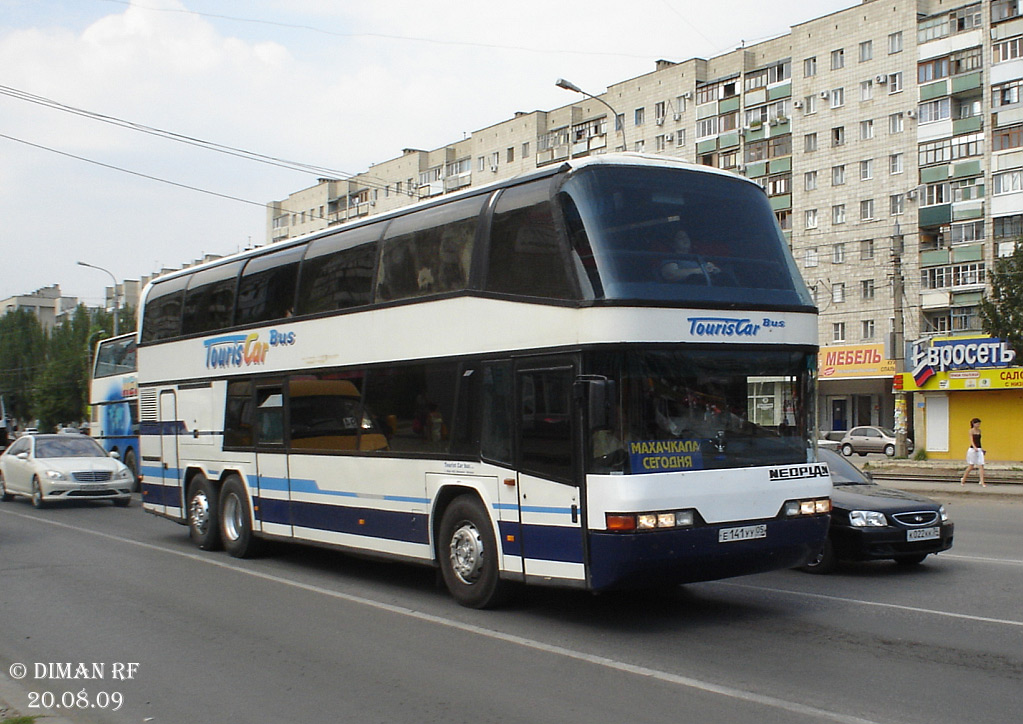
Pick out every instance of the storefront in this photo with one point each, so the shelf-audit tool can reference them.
(955, 379)
(855, 387)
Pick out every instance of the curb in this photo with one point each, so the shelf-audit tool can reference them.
(11, 691)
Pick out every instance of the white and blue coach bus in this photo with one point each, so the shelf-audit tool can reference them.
(598, 375)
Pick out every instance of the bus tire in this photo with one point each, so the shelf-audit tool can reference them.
(467, 553)
(203, 514)
(236, 520)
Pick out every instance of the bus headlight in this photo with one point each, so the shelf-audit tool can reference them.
(867, 518)
(812, 506)
(628, 522)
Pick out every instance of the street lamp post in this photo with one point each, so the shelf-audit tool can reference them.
(114, 279)
(568, 85)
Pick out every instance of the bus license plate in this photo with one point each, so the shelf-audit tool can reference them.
(923, 534)
(747, 532)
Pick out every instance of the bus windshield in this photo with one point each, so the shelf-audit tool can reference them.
(696, 410)
(665, 234)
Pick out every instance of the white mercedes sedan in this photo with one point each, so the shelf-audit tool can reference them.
(48, 468)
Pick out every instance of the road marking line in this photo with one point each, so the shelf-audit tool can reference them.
(602, 661)
(982, 559)
(877, 604)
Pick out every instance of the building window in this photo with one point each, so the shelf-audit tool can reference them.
(895, 83)
(660, 111)
(936, 110)
(809, 105)
(838, 251)
(1006, 94)
(810, 67)
(838, 175)
(897, 204)
(895, 43)
(866, 249)
(1007, 182)
(1006, 138)
(866, 130)
(967, 189)
(937, 193)
(866, 50)
(810, 219)
(867, 210)
(867, 169)
(1005, 9)
(1008, 50)
(838, 216)
(867, 329)
(838, 292)
(965, 319)
(639, 116)
(706, 127)
(896, 123)
(931, 70)
(838, 136)
(1008, 227)
(838, 59)
(810, 142)
(895, 163)
(867, 289)
(809, 180)
(779, 185)
(866, 90)
(810, 258)
(837, 97)
(966, 233)
(838, 332)
(953, 275)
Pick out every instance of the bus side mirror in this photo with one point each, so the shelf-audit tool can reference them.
(599, 395)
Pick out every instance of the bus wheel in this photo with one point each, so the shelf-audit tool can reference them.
(235, 520)
(467, 552)
(203, 514)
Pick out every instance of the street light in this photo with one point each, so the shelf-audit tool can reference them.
(114, 279)
(569, 85)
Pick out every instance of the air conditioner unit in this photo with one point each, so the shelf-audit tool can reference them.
(911, 194)
(493, 167)
(669, 137)
(825, 94)
(687, 95)
(678, 116)
(882, 79)
(797, 104)
(740, 169)
(911, 113)
(659, 121)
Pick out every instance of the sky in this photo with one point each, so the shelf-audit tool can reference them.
(336, 84)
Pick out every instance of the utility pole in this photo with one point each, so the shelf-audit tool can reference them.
(899, 341)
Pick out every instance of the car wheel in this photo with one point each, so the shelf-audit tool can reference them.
(203, 514)
(37, 494)
(4, 495)
(912, 560)
(889, 450)
(823, 562)
(847, 450)
(467, 552)
(236, 521)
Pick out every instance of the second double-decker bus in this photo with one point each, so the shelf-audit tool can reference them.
(113, 396)
(597, 375)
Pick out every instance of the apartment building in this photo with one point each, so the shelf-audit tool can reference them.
(889, 139)
(48, 304)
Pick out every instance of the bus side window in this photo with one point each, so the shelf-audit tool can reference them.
(209, 299)
(162, 315)
(496, 406)
(429, 251)
(465, 428)
(415, 404)
(527, 255)
(238, 415)
(270, 416)
(337, 271)
(267, 288)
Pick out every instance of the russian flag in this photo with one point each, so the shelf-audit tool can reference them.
(923, 373)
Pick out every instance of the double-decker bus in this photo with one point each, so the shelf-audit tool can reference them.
(113, 396)
(599, 375)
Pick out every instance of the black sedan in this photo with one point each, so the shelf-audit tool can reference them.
(870, 522)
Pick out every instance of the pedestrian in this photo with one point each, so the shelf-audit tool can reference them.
(974, 453)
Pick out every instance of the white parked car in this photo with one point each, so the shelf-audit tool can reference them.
(48, 468)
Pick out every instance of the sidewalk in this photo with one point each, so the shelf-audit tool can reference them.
(943, 476)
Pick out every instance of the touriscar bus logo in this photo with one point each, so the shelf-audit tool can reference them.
(732, 326)
(243, 350)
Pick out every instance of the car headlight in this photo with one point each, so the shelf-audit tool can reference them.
(867, 518)
(943, 513)
(123, 474)
(55, 475)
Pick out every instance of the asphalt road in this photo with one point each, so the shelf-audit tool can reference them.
(307, 635)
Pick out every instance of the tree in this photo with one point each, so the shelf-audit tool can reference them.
(61, 391)
(22, 354)
(1001, 313)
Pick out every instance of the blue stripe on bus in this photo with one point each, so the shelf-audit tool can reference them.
(385, 524)
(532, 508)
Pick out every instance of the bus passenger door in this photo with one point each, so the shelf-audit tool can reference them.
(273, 482)
(549, 492)
(170, 494)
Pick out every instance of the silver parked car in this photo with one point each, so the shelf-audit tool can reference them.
(871, 439)
(47, 468)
